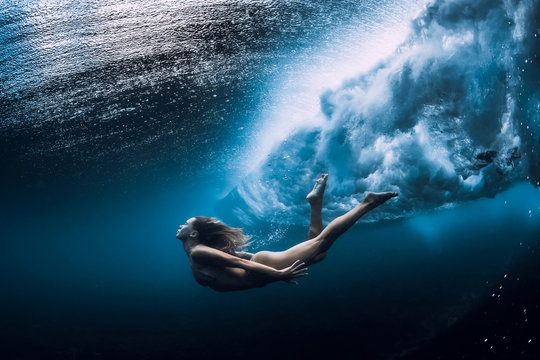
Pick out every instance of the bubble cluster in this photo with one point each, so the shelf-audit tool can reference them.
(445, 119)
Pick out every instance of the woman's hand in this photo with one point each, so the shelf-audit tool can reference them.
(298, 269)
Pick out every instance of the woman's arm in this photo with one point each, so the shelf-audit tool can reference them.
(210, 256)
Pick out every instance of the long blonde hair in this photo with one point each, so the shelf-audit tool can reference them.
(216, 234)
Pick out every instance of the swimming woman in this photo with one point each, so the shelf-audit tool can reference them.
(215, 262)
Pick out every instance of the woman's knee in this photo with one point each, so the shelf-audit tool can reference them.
(324, 241)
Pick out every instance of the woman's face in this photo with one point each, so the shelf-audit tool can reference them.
(185, 230)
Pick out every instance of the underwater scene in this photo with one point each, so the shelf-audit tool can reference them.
(120, 120)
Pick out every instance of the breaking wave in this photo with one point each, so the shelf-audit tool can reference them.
(450, 116)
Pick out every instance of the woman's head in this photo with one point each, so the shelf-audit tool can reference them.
(187, 231)
(212, 232)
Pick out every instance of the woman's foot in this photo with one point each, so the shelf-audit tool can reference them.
(315, 197)
(377, 199)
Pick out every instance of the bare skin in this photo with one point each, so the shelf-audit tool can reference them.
(315, 198)
(225, 272)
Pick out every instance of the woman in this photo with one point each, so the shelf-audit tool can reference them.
(211, 247)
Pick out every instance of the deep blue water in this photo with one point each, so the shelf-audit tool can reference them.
(121, 120)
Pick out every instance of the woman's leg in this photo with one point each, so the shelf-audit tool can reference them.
(315, 198)
(314, 250)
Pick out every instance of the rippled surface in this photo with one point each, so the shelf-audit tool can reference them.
(98, 87)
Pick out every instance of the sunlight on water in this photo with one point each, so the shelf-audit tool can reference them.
(98, 86)
(293, 100)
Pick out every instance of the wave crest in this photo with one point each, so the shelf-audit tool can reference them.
(451, 116)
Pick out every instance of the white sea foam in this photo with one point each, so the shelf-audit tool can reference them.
(441, 120)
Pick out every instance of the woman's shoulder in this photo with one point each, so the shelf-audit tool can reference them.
(200, 249)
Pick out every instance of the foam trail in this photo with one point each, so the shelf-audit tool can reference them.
(450, 116)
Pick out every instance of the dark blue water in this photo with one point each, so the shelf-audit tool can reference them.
(120, 121)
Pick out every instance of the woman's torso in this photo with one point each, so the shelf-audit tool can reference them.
(221, 278)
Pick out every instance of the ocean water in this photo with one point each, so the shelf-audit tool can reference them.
(120, 120)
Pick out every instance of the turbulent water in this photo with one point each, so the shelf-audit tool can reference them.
(452, 115)
(121, 119)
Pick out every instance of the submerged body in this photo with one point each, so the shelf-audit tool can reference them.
(215, 262)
